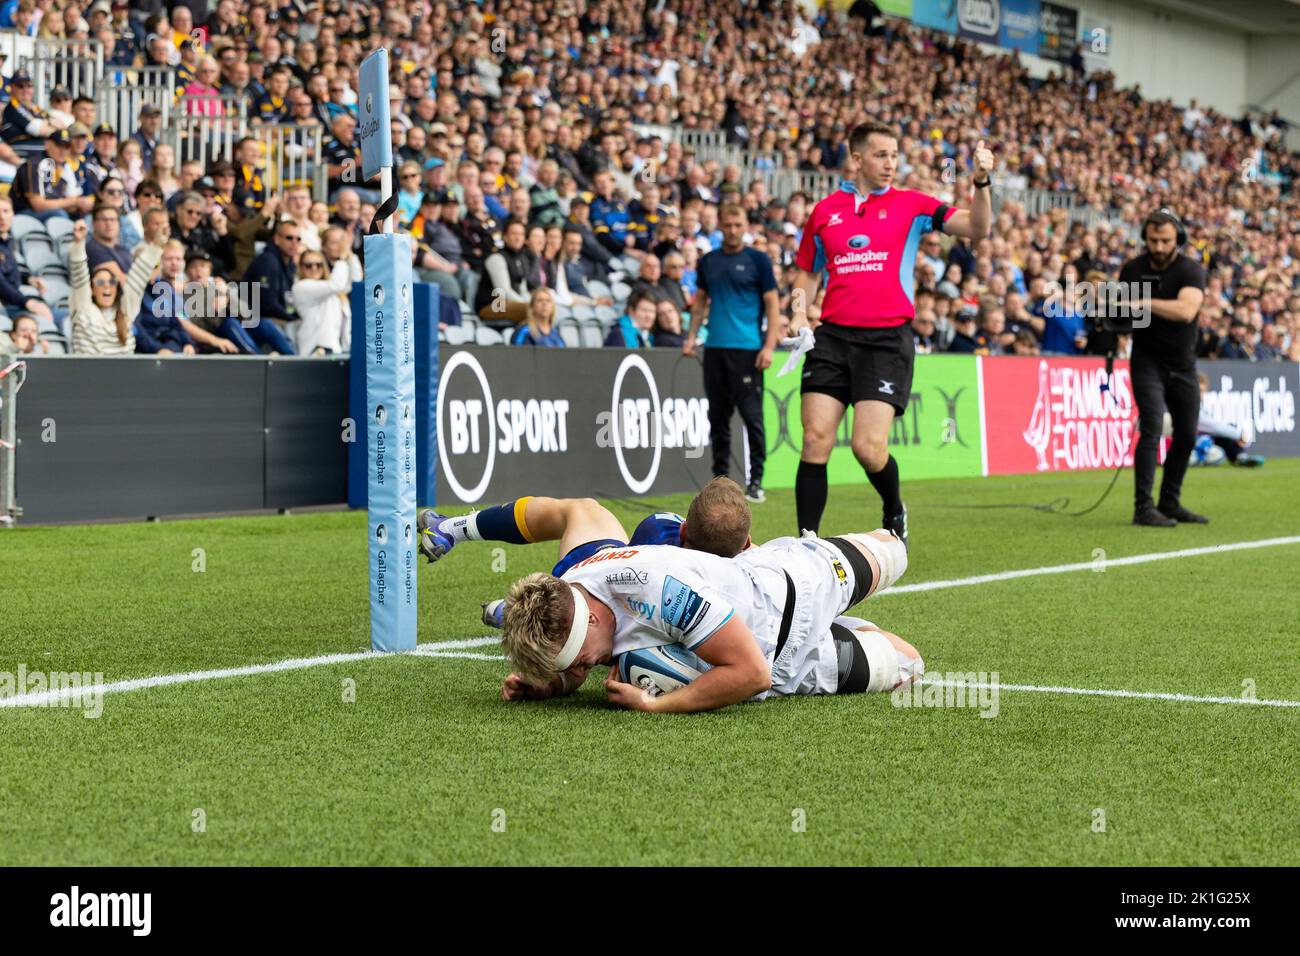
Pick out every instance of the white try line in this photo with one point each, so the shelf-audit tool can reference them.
(463, 649)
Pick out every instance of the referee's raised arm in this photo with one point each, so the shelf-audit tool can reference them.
(863, 240)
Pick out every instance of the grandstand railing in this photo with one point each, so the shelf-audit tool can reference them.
(75, 65)
(292, 157)
(208, 139)
(291, 154)
(122, 94)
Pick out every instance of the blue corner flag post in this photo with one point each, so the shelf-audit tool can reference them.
(390, 384)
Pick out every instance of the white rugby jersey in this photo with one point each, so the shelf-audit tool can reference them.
(661, 594)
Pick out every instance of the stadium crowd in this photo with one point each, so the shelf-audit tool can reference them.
(541, 181)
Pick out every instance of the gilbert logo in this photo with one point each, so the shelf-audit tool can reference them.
(982, 17)
(103, 909)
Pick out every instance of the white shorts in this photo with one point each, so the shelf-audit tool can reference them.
(807, 663)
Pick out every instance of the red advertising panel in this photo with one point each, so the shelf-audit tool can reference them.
(1050, 414)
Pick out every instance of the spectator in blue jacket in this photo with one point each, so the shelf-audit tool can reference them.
(539, 330)
(632, 330)
(609, 216)
(158, 329)
(276, 270)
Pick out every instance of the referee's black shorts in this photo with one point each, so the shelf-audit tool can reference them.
(853, 364)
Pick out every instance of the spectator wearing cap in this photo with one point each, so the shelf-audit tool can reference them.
(1236, 344)
(103, 151)
(46, 186)
(440, 255)
(596, 257)
(105, 241)
(276, 269)
(964, 339)
(146, 134)
(187, 70)
(435, 177)
(13, 276)
(87, 178)
(24, 125)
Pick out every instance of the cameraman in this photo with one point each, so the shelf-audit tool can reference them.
(1164, 366)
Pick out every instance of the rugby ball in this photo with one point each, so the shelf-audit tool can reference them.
(659, 670)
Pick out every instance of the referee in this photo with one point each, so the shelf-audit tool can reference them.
(866, 244)
(1163, 367)
(736, 289)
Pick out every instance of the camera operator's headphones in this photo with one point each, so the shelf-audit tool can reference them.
(1162, 216)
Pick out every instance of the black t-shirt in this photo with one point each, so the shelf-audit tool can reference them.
(1171, 344)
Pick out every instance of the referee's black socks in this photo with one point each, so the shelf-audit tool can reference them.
(885, 481)
(810, 494)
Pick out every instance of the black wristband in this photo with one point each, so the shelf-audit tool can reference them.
(983, 185)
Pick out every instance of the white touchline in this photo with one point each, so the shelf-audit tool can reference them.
(462, 648)
(1138, 694)
(1086, 565)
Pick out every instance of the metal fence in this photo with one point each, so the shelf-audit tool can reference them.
(123, 92)
(75, 65)
(291, 154)
(12, 374)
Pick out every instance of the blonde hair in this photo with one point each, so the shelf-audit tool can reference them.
(539, 610)
(532, 319)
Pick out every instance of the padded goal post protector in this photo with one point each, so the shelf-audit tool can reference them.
(389, 352)
(427, 303)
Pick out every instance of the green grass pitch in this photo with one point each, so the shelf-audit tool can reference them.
(427, 766)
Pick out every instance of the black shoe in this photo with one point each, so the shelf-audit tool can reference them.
(1181, 515)
(1249, 461)
(1152, 518)
(898, 525)
(755, 494)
